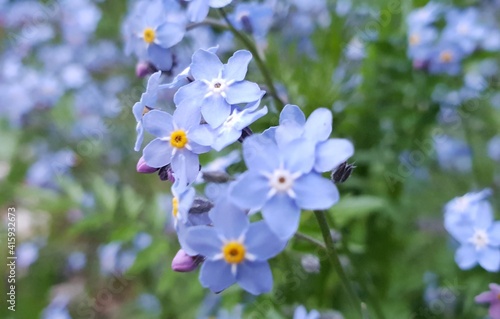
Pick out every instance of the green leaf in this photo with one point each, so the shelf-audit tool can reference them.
(349, 209)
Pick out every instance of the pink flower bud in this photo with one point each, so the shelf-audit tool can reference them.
(142, 167)
(182, 262)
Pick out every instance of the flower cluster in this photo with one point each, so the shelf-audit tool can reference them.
(442, 51)
(469, 220)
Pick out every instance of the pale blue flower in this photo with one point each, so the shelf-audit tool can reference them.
(198, 9)
(235, 250)
(218, 86)
(301, 313)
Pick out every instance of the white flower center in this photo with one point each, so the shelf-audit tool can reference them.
(281, 181)
(479, 239)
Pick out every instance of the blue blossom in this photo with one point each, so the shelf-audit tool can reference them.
(479, 241)
(230, 131)
(180, 138)
(151, 32)
(446, 58)
(218, 86)
(279, 182)
(453, 154)
(421, 41)
(426, 15)
(198, 9)
(465, 29)
(147, 102)
(254, 18)
(79, 19)
(464, 209)
(301, 313)
(329, 153)
(235, 250)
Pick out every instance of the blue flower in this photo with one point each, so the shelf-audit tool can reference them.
(329, 153)
(464, 209)
(217, 86)
(420, 42)
(425, 15)
(464, 28)
(180, 138)
(254, 18)
(198, 9)
(301, 313)
(235, 250)
(147, 102)
(151, 32)
(279, 182)
(446, 58)
(230, 131)
(479, 240)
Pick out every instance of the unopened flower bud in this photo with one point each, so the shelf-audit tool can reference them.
(182, 262)
(143, 69)
(246, 132)
(342, 172)
(142, 167)
(166, 173)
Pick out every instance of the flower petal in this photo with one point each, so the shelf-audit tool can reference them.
(282, 216)
(158, 123)
(187, 115)
(206, 66)
(215, 110)
(255, 277)
(187, 163)
(261, 242)
(249, 191)
(261, 154)
(489, 258)
(494, 234)
(161, 57)
(292, 113)
(169, 34)
(319, 125)
(192, 93)
(299, 155)
(237, 66)
(242, 92)
(465, 257)
(331, 153)
(216, 275)
(229, 220)
(315, 192)
(157, 153)
(204, 240)
(202, 135)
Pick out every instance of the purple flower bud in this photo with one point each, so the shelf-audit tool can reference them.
(182, 262)
(143, 69)
(166, 174)
(142, 167)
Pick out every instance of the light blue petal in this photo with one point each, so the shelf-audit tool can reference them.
(249, 191)
(219, 3)
(300, 313)
(461, 232)
(157, 153)
(158, 123)
(282, 216)
(204, 240)
(287, 132)
(187, 115)
(465, 257)
(489, 258)
(137, 109)
(184, 159)
(215, 110)
(205, 66)
(292, 113)
(229, 220)
(140, 137)
(193, 93)
(255, 277)
(202, 135)
(248, 118)
(494, 234)
(160, 57)
(261, 242)
(216, 275)
(150, 97)
(226, 138)
(237, 66)
(319, 125)
(299, 155)
(484, 214)
(197, 10)
(261, 154)
(199, 149)
(331, 153)
(242, 92)
(315, 192)
(169, 34)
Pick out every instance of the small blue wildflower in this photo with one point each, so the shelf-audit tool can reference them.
(301, 313)
(180, 134)
(198, 9)
(425, 16)
(463, 210)
(479, 240)
(465, 29)
(279, 182)
(217, 87)
(420, 42)
(235, 250)
(253, 18)
(230, 131)
(446, 58)
(151, 34)
(147, 102)
(453, 154)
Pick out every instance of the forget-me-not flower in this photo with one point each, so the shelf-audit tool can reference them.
(218, 86)
(301, 313)
(180, 134)
(198, 9)
(279, 182)
(235, 251)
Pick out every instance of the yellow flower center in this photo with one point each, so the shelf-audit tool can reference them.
(149, 35)
(414, 39)
(178, 139)
(145, 110)
(234, 252)
(175, 207)
(446, 56)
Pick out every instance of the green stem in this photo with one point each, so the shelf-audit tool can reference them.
(335, 261)
(260, 63)
(310, 239)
